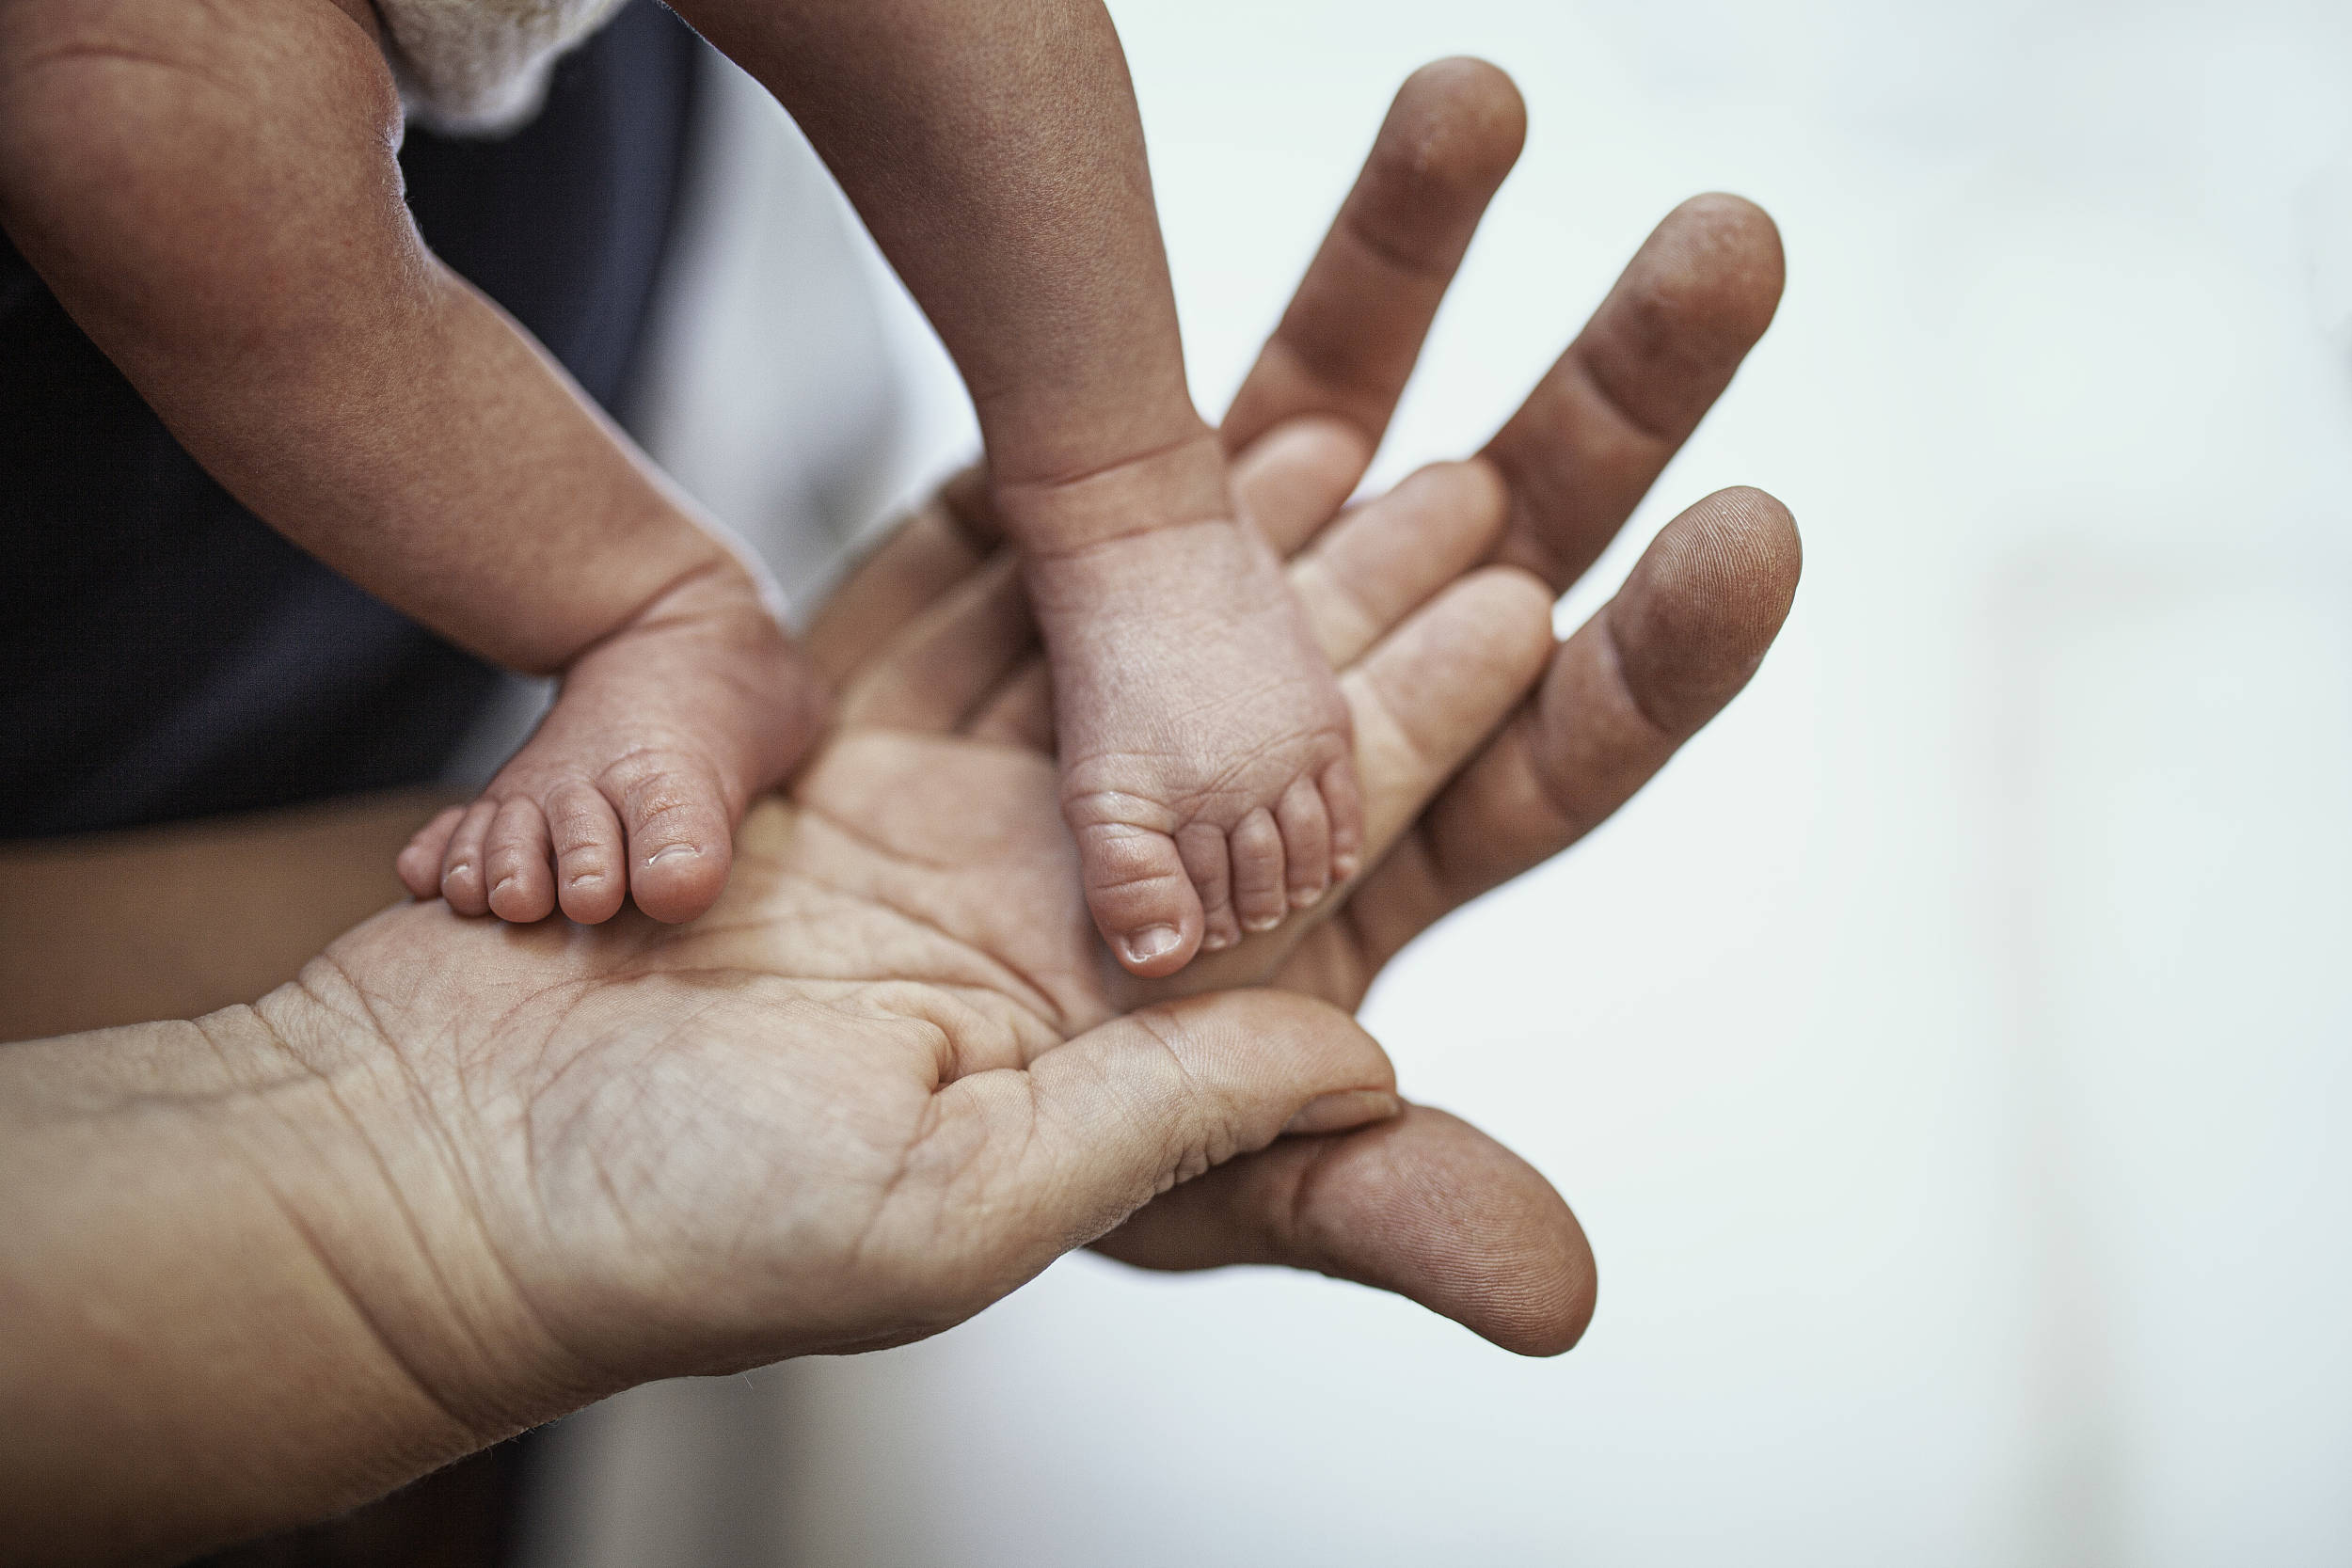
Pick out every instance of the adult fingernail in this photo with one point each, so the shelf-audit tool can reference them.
(1337, 1112)
(1153, 941)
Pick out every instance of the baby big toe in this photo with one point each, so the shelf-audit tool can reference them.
(1261, 897)
(514, 863)
(680, 844)
(1141, 896)
(590, 884)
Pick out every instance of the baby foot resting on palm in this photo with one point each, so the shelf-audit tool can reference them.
(1205, 750)
(659, 737)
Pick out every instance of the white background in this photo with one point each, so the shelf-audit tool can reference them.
(1950, 1056)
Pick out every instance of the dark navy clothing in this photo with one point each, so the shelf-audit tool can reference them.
(165, 655)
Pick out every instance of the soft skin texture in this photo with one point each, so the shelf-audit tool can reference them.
(211, 190)
(995, 153)
(473, 1175)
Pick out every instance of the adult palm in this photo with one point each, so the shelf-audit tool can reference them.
(466, 1175)
(892, 1075)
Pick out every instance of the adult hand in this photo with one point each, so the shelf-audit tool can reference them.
(465, 1176)
(475, 1175)
(1423, 1204)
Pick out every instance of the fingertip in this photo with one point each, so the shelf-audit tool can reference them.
(1757, 526)
(1292, 480)
(1733, 220)
(1508, 610)
(1462, 119)
(1469, 498)
(1426, 1205)
(1715, 267)
(1704, 604)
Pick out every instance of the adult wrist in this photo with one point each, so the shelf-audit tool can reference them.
(224, 1311)
(374, 1101)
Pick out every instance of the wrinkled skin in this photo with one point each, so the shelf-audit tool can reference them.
(892, 1075)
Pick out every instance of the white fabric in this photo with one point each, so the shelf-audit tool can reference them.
(481, 66)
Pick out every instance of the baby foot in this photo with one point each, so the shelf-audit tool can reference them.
(634, 782)
(1206, 756)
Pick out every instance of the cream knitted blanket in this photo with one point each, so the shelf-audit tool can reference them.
(481, 66)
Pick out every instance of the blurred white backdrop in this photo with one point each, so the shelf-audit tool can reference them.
(1950, 1056)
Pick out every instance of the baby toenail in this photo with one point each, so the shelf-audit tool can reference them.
(1150, 942)
(1264, 923)
(671, 852)
(1216, 942)
(1305, 897)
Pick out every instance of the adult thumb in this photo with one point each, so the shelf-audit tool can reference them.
(1095, 1128)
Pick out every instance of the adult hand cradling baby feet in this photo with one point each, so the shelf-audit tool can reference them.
(464, 1180)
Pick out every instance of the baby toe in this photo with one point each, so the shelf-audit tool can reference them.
(1141, 896)
(420, 864)
(1202, 848)
(1306, 831)
(680, 842)
(461, 881)
(514, 863)
(1260, 897)
(1344, 807)
(586, 835)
